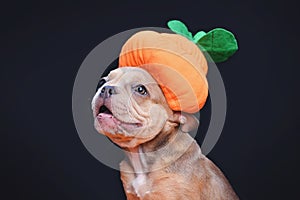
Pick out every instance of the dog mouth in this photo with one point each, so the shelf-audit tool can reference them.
(105, 113)
(105, 110)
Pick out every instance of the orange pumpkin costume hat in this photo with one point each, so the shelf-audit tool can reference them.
(178, 62)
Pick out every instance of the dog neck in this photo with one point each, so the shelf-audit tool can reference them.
(137, 159)
(155, 154)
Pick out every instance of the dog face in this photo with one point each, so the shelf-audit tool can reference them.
(130, 108)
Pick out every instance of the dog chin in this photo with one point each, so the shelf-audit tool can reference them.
(119, 136)
(107, 123)
(125, 135)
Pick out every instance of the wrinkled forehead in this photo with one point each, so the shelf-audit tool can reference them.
(134, 76)
(127, 75)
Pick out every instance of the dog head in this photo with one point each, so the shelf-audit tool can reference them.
(130, 108)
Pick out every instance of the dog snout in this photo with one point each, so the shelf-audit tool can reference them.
(107, 91)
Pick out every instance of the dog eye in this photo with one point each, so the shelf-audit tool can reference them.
(100, 84)
(141, 90)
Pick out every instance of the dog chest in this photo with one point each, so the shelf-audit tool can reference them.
(139, 185)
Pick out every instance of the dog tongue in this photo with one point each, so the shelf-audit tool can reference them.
(105, 115)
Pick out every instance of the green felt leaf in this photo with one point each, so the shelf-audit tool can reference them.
(198, 36)
(219, 43)
(180, 28)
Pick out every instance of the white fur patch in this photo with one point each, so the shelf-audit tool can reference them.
(139, 185)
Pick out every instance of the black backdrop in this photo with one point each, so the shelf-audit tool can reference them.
(43, 45)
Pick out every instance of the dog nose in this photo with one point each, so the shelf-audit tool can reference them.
(107, 91)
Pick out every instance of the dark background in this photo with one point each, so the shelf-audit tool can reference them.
(43, 45)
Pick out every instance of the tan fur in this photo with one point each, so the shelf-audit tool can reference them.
(163, 160)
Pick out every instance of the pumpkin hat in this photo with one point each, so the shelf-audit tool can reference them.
(178, 62)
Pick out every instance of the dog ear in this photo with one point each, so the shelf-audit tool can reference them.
(188, 122)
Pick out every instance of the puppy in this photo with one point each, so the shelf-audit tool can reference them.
(163, 160)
